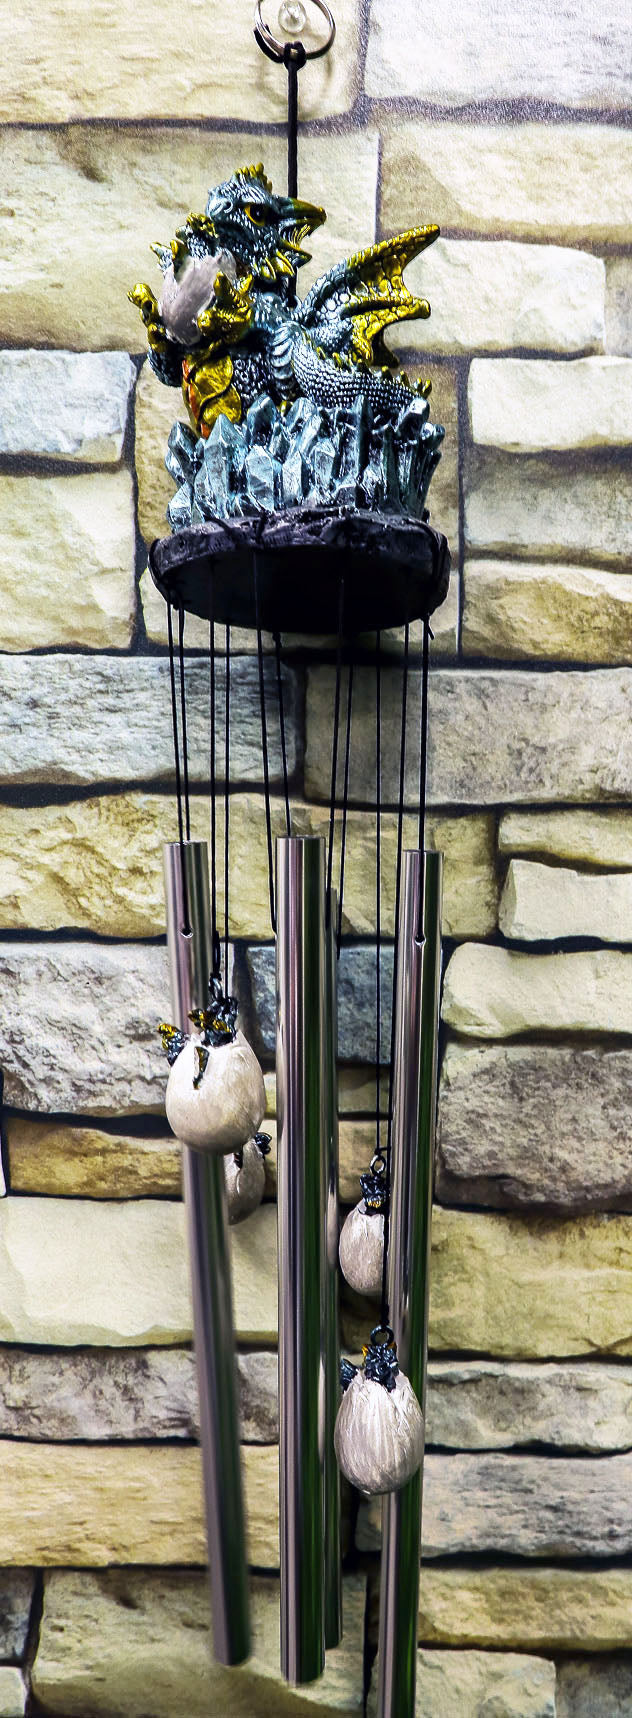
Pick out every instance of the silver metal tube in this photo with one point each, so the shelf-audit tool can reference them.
(190, 962)
(333, 1564)
(413, 1140)
(301, 1157)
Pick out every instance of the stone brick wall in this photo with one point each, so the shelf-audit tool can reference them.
(508, 126)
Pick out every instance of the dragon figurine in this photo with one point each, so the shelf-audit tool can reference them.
(311, 383)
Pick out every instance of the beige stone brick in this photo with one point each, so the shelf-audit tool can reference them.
(470, 887)
(619, 305)
(356, 1091)
(492, 297)
(518, 1505)
(490, 1404)
(496, 736)
(97, 863)
(599, 1685)
(69, 406)
(122, 728)
(153, 605)
(83, 204)
(558, 509)
(61, 1160)
(356, 1145)
(592, 837)
(526, 610)
(443, 495)
(519, 1288)
(114, 1640)
(156, 409)
(13, 1693)
(541, 1126)
(492, 992)
(541, 903)
(139, 1503)
(505, 56)
(529, 180)
(528, 405)
(69, 543)
(501, 1285)
(536, 1609)
(115, 1274)
(530, 1288)
(469, 1682)
(111, 70)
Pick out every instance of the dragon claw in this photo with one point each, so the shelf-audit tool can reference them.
(145, 302)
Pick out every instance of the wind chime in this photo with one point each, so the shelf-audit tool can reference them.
(300, 509)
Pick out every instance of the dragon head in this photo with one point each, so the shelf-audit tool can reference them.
(264, 232)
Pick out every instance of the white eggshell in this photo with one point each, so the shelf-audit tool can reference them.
(245, 1182)
(227, 1107)
(362, 1250)
(188, 292)
(379, 1434)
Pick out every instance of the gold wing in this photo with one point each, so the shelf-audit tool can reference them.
(361, 297)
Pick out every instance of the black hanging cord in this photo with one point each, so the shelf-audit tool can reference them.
(345, 802)
(186, 927)
(423, 749)
(217, 957)
(226, 808)
(279, 678)
(423, 763)
(378, 882)
(264, 749)
(334, 753)
(294, 58)
(398, 889)
(183, 707)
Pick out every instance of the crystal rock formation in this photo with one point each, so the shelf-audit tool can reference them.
(310, 456)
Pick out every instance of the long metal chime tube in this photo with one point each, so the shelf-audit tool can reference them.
(191, 962)
(413, 1139)
(333, 1566)
(301, 1155)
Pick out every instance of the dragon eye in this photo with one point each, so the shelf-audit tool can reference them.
(256, 214)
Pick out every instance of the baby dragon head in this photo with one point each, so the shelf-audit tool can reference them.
(264, 232)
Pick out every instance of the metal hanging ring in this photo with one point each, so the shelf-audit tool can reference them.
(382, 1336)
(277, 50)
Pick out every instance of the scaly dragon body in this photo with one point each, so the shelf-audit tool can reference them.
(228, 327)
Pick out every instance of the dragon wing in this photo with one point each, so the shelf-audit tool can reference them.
(348, 309)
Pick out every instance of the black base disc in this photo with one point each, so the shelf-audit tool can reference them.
(393, 570)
